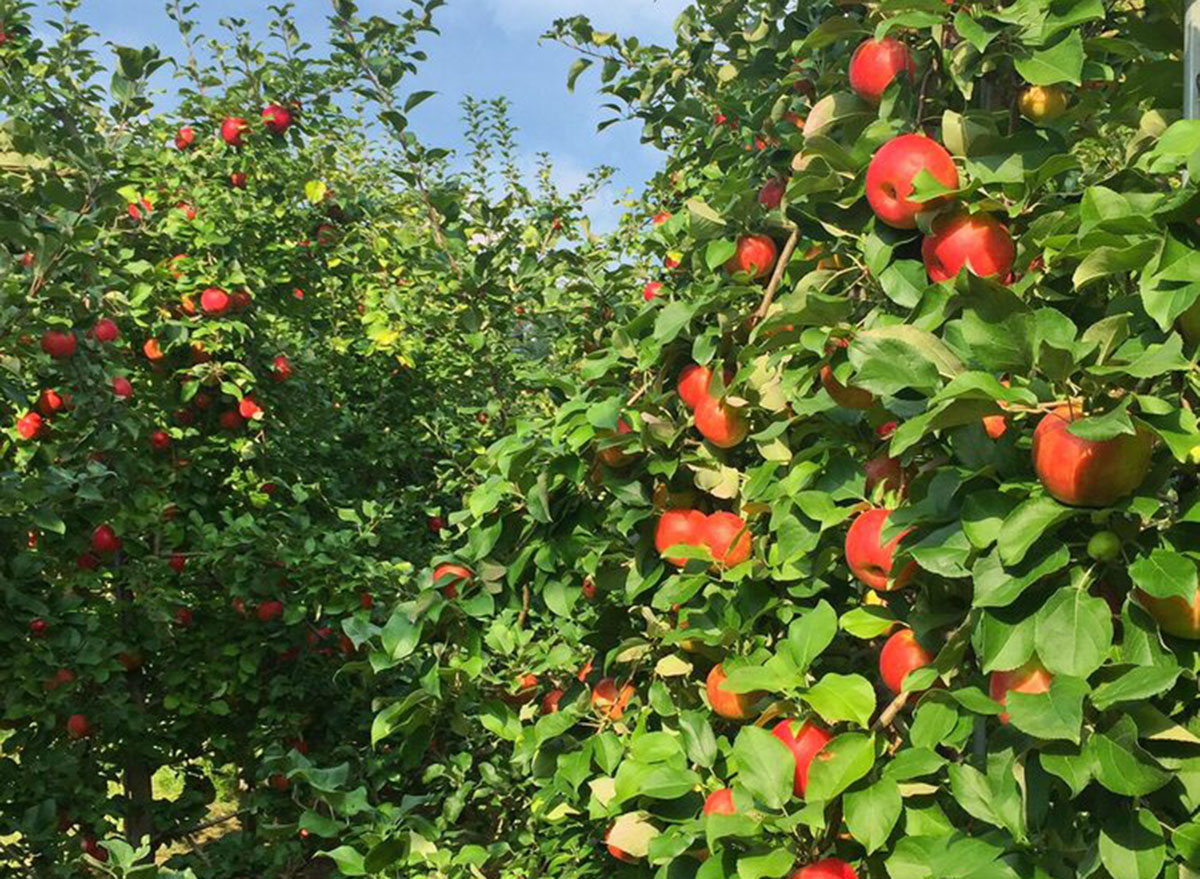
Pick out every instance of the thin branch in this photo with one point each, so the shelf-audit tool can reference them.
(889, 714)
(524, 614)
(780, 266)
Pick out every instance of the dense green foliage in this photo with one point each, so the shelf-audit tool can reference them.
(465, 347)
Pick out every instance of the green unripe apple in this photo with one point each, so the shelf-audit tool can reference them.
(1105, 546)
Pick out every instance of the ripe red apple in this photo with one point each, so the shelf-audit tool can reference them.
(131, 661)
(234, 130)
(237, 179)
(694, 381)
(875, 63)
(830, 868)
(588, 589)
(366, 600)
(524, 690)
(886, 472)
(614, 456)
(680, 528)
(29, 426)
(610, 701)
(1032, 677)
(732, 706)
(105, 540)
(277, 119)
(891, 173)
(185, 137)
(771, 194)
(1088, 473)
(78, 726)
(91, 847)
(846, 396)
(178, 561)
(160, 440)
(214, 301)
(106, 330)
(1176, 616)
(550, 701)
(122, 387)
(87, 562)
(38, 628)
(62, 678)
(722, 425)
(184, 618)
(901, 654)
(727, 538)
(59, 344)
(869, 559)
(804, 740)
(651, 290)
(50, 401)
(281, 368)
(230, 420)
(661, 217)
(248, 407)
(720, 802)
(189, 210)
(755, 255)
(279, 782)
(453, 577)
(153, 350)
(436, 524)
(977, 242)
(269, 611)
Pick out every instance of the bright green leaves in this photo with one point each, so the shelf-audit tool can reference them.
(1131, 845)
(1166, 574)
(765, 766)
(1055, 714)
(872, 812)
(841, 763)
(839, 698)
(1074, 632)
(1062, 62)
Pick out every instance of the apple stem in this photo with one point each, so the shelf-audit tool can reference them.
(777, 277)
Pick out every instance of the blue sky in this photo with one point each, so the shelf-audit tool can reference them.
(487, 48)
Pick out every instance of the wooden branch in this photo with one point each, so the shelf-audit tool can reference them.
(524, 614)
(777, 277)
(889, 714)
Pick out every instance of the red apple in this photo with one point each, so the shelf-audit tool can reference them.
(732, 706)
(846, 396)
(230, 420)
(523, 691)
(234, 130)
(727, 538)
(366, 600)
(62, 678)
(804, 740)
(184, 618)
(248, 407)
(279, 782)
(1088, 473)
(237, 179)
(153, 350)
(886, 472)
(160, 440)
(59, 344)
(615, 456)
(131, 661)
(977, 242)
(92, 849)
(281, 368)
(38, 628)
(610, 701)
(901, 654)
(185, 137)
(680, 528)
(830, 868)
(214, 301)
(550, 701)
(755, 255)
(869, 559)
(87, 562)
(694, 382)
(875, 63)
(177, 561)
(106, 330)
(277, 119)
(720, 802)
(436, 524)
(721, 424)
(771, 194)
(453, 577)
(29, 426)
(588, 589)
(105, 540)
(651, 290)
(122, 387)
(661, 217)
(891, 173)
(269, 611)
(1176, 615)
(78, 726)
(50, 401)
(1032, 677)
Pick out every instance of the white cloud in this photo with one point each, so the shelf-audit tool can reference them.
(642, 17)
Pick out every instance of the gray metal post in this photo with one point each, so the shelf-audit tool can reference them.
(1191, 60)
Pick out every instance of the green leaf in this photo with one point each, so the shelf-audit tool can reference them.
(810, 634)
(1026, 524)
(842, 697)
(1057, 714)
(840, 764)
(1136, 684)
(1074, 632)
(1062, 62)
(872, 813)
(773, 864)
(765, 766)
(1131, 844)
(1120, 763)
(1166, 574)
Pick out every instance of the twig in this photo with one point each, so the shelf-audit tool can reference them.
(889, 714)
(776, 278)
(521, 617)
(638, 394)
